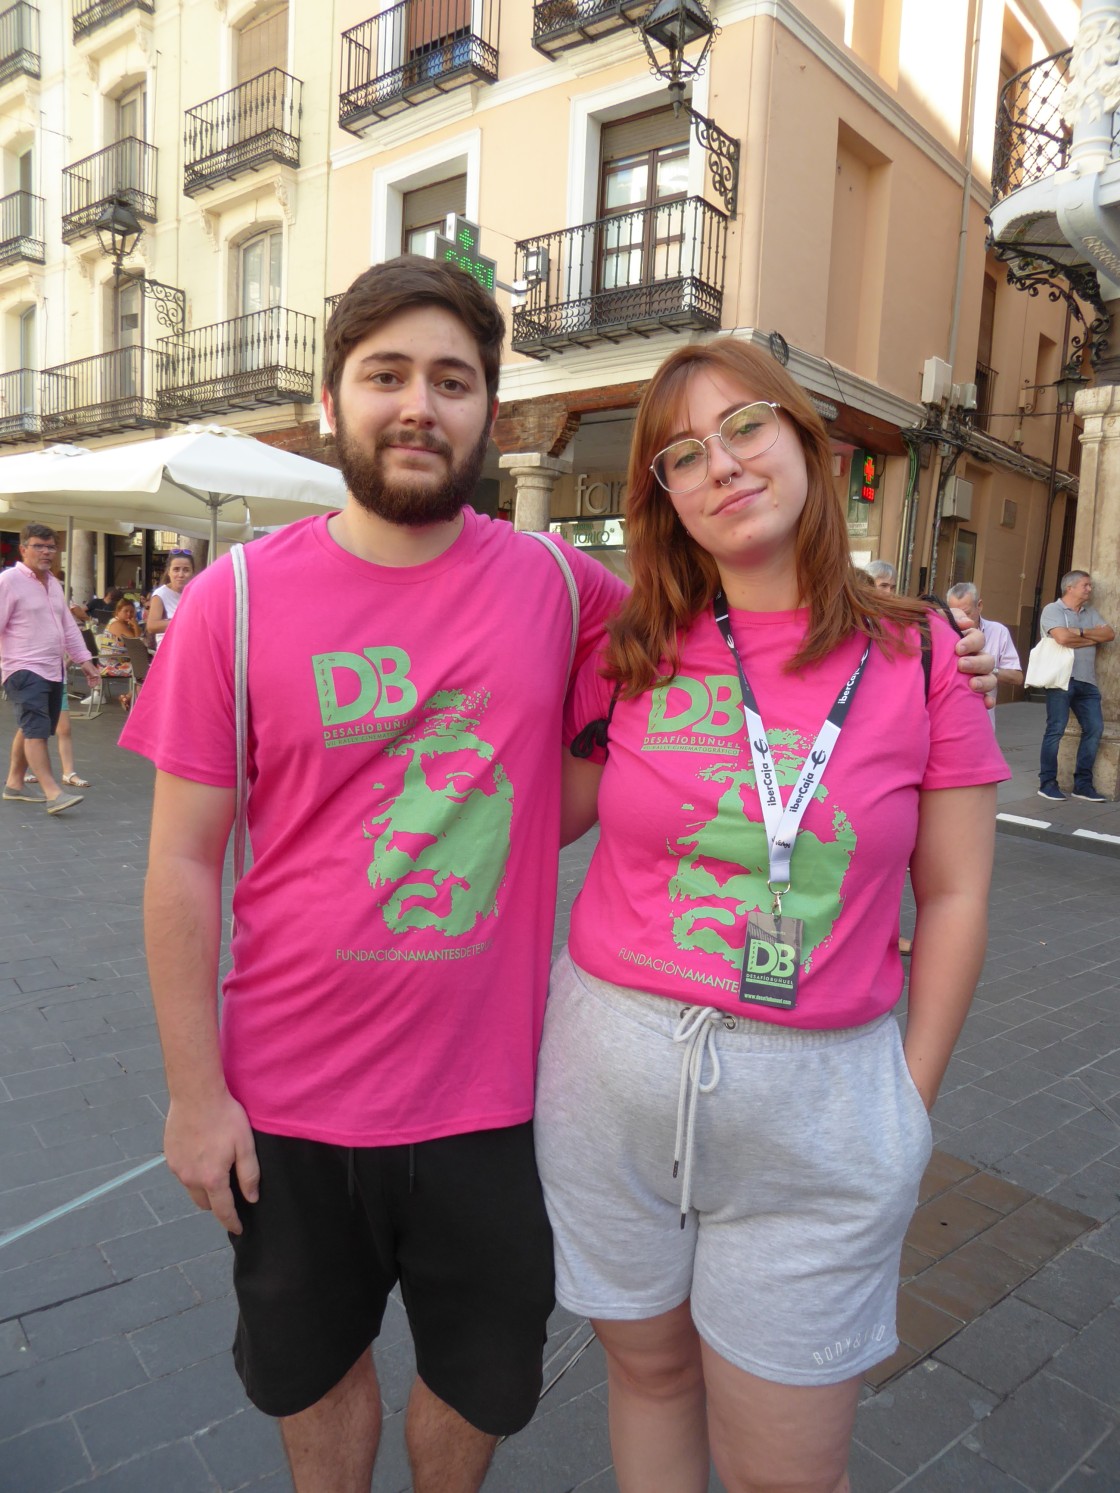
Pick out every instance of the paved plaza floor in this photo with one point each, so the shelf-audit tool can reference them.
(116, 1315)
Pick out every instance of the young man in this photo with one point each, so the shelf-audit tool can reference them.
(380, 1027)
(37, 633)
(1075, 624)
(372, 1084)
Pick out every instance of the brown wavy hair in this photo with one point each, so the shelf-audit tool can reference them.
(675, 579)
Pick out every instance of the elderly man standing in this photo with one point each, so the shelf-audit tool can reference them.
(997, 639)
(1075, 624)
(37, 632)
(883, 575)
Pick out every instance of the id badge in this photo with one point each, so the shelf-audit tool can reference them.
(771, 960)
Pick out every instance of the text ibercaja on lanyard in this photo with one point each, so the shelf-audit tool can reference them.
(772, 952)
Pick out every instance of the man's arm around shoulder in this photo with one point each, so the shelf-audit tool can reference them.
(207, 1131)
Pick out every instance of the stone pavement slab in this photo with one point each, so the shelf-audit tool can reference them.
(114, 1365)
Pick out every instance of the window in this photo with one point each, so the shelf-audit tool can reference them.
(125, 372)
(425, 210)
(643, 177)
(131, 115)
(261, 275)
(262, 44)
(28, 349)
(438, 37)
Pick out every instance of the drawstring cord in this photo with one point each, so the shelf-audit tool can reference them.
(696, 1030)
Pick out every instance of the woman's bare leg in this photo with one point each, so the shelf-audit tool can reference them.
(658, 1426)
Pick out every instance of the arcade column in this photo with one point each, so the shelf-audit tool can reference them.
(534, 478)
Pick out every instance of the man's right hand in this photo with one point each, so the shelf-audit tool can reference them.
(203, 1143)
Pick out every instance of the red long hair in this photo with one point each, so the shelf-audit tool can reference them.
(675, 579)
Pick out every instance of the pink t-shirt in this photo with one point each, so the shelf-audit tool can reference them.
(393, 932)
(682, 855)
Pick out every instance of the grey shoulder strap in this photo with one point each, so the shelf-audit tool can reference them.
(569, 580)
(240, 704)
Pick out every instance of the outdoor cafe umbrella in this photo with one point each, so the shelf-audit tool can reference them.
(242, 482)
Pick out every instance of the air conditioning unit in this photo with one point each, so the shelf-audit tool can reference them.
(957, 499)
(937, 381)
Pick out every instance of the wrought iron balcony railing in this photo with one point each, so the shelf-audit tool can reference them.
(561, 24)
(243, 129)
(626, 275)
(265, 357)
(412, 52)
(19, 41)
(110, 391)
(89, 14)
(1032, 140)
(126, 169)
(21, 228)
(19, 406)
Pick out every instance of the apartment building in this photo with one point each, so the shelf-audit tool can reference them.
(272, 153)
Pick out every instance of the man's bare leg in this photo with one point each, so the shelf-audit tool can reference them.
(17, 763)
(332, 1444)
(447, 1454)
(38, 758)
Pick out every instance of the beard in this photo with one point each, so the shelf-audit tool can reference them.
(412, 505)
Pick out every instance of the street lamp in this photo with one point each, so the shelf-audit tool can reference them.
(674, 25)
(118, 232)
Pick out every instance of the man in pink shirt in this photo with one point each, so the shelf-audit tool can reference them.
(37, 633)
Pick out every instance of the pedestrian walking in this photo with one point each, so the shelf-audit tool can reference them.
(37, 635)
(1073, 623)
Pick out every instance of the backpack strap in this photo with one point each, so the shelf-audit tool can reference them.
(240, 704)
(569, 580)
(594, 734)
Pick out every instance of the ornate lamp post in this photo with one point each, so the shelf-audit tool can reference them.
(118, 232)
(673, 26)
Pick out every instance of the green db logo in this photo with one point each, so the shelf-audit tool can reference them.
(774, 959)
(374, 683)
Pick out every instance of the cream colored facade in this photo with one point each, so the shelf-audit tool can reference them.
(866, 129)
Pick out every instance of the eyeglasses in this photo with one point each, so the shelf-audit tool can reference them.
(746, 433)
(45, 549)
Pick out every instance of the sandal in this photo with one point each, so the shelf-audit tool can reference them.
(72, 780)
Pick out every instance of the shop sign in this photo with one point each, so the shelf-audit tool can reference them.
(590, 534)
(863, 477)
(599, 497)
(458, 244)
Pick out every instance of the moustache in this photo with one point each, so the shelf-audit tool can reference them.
(417, 439)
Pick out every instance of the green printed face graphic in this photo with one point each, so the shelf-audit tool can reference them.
(441, 829)
(723, 869)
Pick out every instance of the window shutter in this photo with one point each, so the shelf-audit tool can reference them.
(643, 132)
(432, 204)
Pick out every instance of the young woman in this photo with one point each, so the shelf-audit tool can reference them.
(730, 1131)
(165, 598)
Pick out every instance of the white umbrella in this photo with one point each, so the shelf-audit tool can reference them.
(153, 484)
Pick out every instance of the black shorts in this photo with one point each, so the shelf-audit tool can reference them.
(38, 703)
(459, 1221)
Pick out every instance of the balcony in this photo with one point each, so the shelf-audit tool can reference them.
(413, 52)
(21, 229)
(126, 169)
(19, 42)
(1032, 140)
(985, 389)
(19, 406)
(561, 24)
(89, 14)
(266, 357)
(630, 275)
(95, 396)
(243, 130)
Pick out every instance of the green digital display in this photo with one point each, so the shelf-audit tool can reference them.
(462, 249)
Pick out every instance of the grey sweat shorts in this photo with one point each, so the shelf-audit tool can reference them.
(802, 1161)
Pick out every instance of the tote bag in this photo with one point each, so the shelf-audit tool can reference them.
(1049, 665)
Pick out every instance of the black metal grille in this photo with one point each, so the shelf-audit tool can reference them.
(1032, 139)
(240, 130)
(626, 275)
(19, 41)
(21, 228)
(126, 169)
(265, 357)
(561, 24)
(985, 388)
(412, 52)
(111, 391)
(19, 406)
(88, 16)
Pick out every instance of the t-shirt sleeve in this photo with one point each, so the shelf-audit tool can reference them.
(589, 699)
(1053, 615)
(962, 744)
(183, 718)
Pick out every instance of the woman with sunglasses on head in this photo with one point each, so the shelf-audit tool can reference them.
(165, 598)
(730, 1130)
